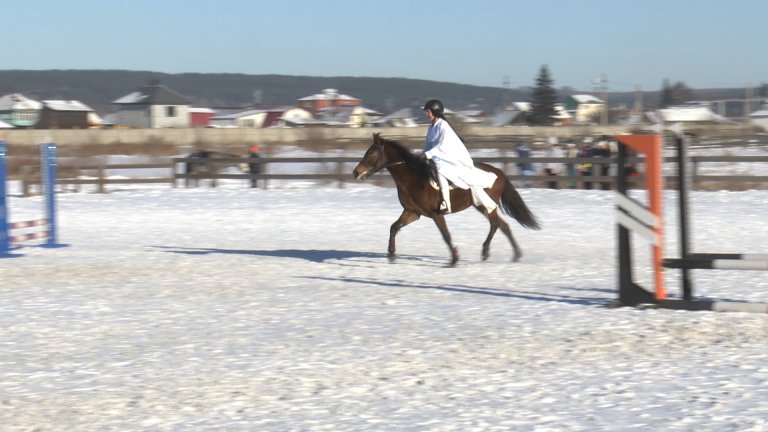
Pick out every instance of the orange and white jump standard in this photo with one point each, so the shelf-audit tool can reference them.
(648, 222)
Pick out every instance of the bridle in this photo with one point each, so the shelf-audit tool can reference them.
(389, 165)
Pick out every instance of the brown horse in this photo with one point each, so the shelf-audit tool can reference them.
(419, 198)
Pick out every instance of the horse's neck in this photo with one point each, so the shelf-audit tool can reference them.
(405, 179)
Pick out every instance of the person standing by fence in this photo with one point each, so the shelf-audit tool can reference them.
(254, 166)
(603, 169)
(585, 168)
(553, 169)
(571, 152)
(525, 167)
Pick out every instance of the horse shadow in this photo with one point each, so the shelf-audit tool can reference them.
(319, 256)
(358, 258)
(466, 289)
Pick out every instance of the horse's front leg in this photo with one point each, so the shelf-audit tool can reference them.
(443, 227)
(405, 218)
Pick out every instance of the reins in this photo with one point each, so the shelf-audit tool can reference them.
(393, 164)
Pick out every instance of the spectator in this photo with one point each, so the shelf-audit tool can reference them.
(585, 168)
(602, 150)
(524, 167)
(571, 152)
(630, 167)
(254, 167)
(553, 169)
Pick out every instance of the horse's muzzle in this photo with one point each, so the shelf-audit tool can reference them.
(361, 172)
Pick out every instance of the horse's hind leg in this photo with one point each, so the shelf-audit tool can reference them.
(405, 218)
(508, 232)
(496, 223)
(494, 220)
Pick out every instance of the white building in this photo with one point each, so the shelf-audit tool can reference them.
(261, 118)
(153, 106)
(20, 111)
(583, 107)
(760, 118)
(690, 113)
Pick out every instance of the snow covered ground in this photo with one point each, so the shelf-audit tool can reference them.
(276, 310)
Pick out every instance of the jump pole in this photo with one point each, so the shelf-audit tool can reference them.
(48, 180)
(634, 217)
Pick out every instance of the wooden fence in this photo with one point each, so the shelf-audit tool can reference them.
(339, 170)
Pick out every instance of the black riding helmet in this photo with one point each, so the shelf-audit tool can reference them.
(435, 107)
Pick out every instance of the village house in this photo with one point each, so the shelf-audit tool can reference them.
(583, 108)
(400, 118)
(347, 116)
(330, 108)
(20, 111)
(66, 114)
(264, 117)
(692, 112)
(329, 99)
(152, 106)
(200, 117)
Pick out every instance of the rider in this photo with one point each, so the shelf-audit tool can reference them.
(452, 160)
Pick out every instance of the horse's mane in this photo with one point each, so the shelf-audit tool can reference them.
(414, 162)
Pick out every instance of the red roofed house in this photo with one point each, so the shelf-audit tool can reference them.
(200, 117)
(328, 100)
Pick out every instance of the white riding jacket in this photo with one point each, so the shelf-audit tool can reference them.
(445, 148)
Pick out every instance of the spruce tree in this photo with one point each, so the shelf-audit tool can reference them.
(676, 94)
(543, 99)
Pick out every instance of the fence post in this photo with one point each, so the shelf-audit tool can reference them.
(339, 173)
(4, 240)
(48, 172)
(172, 169)
(102, 185)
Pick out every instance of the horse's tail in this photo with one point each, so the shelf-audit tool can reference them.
(512, 205)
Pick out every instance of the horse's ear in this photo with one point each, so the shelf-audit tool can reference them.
(376, 136)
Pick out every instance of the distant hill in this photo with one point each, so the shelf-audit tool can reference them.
(98, 88)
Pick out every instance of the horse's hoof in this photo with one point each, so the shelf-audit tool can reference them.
(391, 257)
(454, 257)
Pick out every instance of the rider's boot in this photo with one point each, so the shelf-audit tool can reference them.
(445, 192)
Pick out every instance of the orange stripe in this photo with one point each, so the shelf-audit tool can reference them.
(650, 145)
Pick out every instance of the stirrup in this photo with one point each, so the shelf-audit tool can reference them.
(443, 208)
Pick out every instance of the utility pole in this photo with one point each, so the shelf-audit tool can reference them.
(748, 103)
(506, 98)
(638, 100)
(601, 84)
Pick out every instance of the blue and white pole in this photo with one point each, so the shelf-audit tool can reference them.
(5, 243)
(48, 170)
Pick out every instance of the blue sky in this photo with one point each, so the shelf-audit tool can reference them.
(704, 43)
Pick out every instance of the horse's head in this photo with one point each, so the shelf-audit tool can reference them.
(374, 160)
